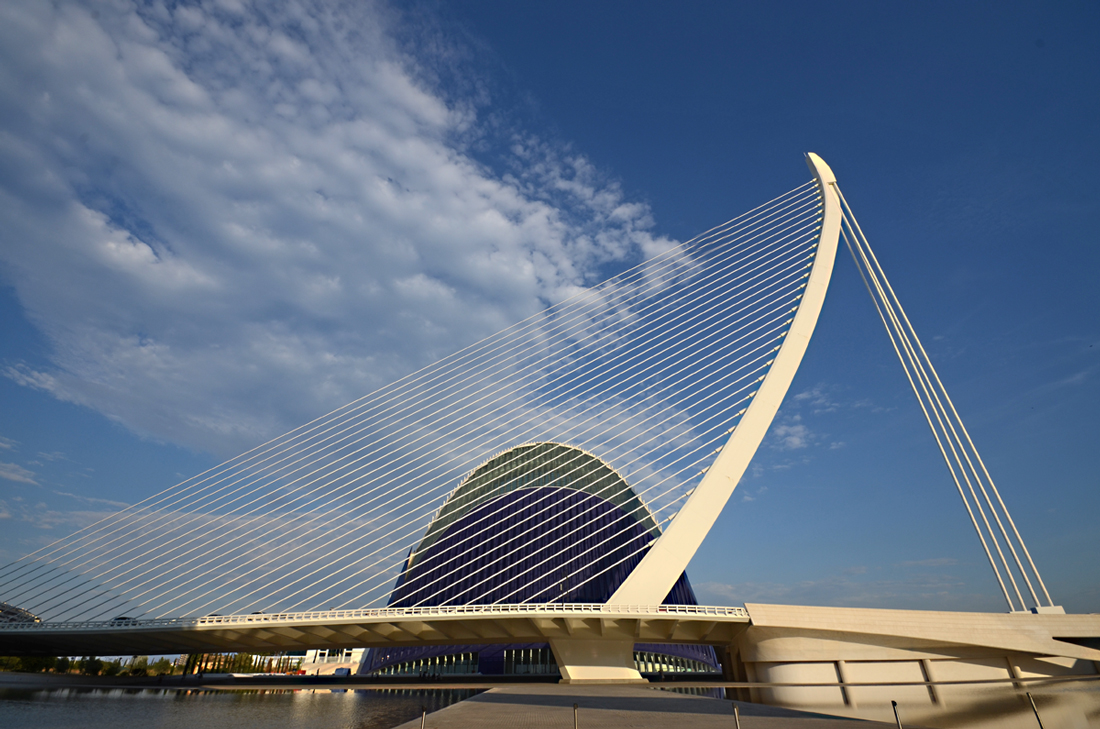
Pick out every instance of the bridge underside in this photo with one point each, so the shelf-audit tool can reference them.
(352, 629)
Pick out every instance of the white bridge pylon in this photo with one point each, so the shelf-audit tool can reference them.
(1015, 572)
(669, 556)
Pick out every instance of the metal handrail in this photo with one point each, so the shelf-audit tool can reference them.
(547, 609)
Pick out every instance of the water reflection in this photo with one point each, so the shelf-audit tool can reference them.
(261, 709)
(1069, 705)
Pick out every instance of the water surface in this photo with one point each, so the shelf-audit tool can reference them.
(63, 708)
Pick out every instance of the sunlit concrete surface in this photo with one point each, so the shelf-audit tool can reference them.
(612, 707)
(943, 668)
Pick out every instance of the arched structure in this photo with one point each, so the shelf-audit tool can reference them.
(669, 556)
(522, 516)
(530, 466)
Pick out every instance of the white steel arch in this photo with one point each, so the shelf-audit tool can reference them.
(653, 578)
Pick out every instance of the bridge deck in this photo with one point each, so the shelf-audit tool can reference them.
(612, 707)
(388, 627)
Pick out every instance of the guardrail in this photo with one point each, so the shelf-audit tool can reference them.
(440, 611)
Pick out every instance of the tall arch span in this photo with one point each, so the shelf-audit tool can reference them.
(662, 565)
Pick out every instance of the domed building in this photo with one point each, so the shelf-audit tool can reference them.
(514, 531)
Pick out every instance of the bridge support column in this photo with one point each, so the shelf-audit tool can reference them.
(596, 661)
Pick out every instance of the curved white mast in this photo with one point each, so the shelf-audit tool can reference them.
(653, 578)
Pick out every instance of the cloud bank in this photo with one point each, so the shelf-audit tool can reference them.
(227, 219)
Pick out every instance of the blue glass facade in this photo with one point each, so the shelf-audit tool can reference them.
(532, 545)
(540, 523)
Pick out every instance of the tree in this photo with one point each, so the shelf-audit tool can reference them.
(61, 665)
(113, 668)
(36, 664)
(162, 667)
(139, 666)
(191, 666)
(91, 666)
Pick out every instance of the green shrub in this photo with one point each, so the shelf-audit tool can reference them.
(32, 664)
(37, 664)
(91, 666)
(139, 666)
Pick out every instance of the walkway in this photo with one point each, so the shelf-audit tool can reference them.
(540, 706)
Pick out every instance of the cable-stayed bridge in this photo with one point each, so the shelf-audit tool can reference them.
(549, 483)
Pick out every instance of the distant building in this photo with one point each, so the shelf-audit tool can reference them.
(334, 655)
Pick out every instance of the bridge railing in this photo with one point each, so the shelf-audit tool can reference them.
(439, 611)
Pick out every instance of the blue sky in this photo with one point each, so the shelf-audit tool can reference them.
(221, 221)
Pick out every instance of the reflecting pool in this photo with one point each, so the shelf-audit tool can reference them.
(302, 709)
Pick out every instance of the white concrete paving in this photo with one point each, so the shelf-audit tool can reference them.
(549, 706)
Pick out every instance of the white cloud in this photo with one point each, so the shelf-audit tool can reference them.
(823, 398)
(228, 222)
(934, 562)
(15, 472)
(792, 434)
(750, 495)
(819, 398)
(42, 517)
(93, 500)
(855, 587)
(1077, 378)
(25, 376)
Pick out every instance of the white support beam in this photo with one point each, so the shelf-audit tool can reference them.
(650, 582)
